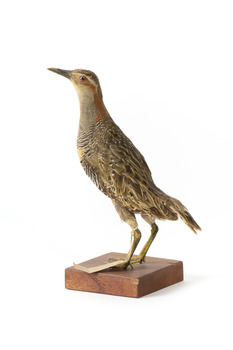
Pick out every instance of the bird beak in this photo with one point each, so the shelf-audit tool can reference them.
(63, 72)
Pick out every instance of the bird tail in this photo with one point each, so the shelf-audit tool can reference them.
(183, 213)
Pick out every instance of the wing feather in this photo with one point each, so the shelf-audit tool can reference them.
(128, 179)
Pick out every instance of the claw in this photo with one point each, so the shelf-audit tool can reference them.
(137, 259)
(123, 266)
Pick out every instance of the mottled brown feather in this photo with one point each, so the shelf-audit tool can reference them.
(114, 164)
(125, 177)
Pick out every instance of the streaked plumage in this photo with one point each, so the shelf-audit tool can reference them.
(116, 166)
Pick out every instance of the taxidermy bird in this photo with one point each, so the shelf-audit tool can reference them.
(117, 168)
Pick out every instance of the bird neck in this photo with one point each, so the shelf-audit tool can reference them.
(92, 110)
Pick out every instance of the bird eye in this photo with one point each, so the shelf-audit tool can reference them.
(83, 78)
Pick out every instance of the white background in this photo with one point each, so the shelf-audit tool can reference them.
(166, 73)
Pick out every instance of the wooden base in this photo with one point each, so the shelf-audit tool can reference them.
(145, 278)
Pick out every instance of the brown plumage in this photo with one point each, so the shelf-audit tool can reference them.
(116, 166)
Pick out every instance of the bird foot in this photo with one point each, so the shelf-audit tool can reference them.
(137, 259)
(121, 265)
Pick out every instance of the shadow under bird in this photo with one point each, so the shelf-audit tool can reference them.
(117, 168)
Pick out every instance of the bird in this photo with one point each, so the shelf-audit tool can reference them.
(117, 167)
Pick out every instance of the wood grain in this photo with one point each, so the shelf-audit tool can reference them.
(153, 275)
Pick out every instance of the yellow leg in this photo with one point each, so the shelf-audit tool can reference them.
(141, 257)
(136, 235)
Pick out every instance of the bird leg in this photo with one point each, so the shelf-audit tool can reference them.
(141, 257)
(136, 235)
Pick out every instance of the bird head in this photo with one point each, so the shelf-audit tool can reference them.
(84, 81)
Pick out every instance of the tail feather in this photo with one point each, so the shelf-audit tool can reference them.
(183, 213)
(171, 208)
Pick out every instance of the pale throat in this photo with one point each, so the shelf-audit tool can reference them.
(92, 109)
(87, 110)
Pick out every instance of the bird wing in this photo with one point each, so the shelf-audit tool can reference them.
(127, 176)
(120, 171)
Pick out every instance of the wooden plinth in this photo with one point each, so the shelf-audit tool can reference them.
(145, 278)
